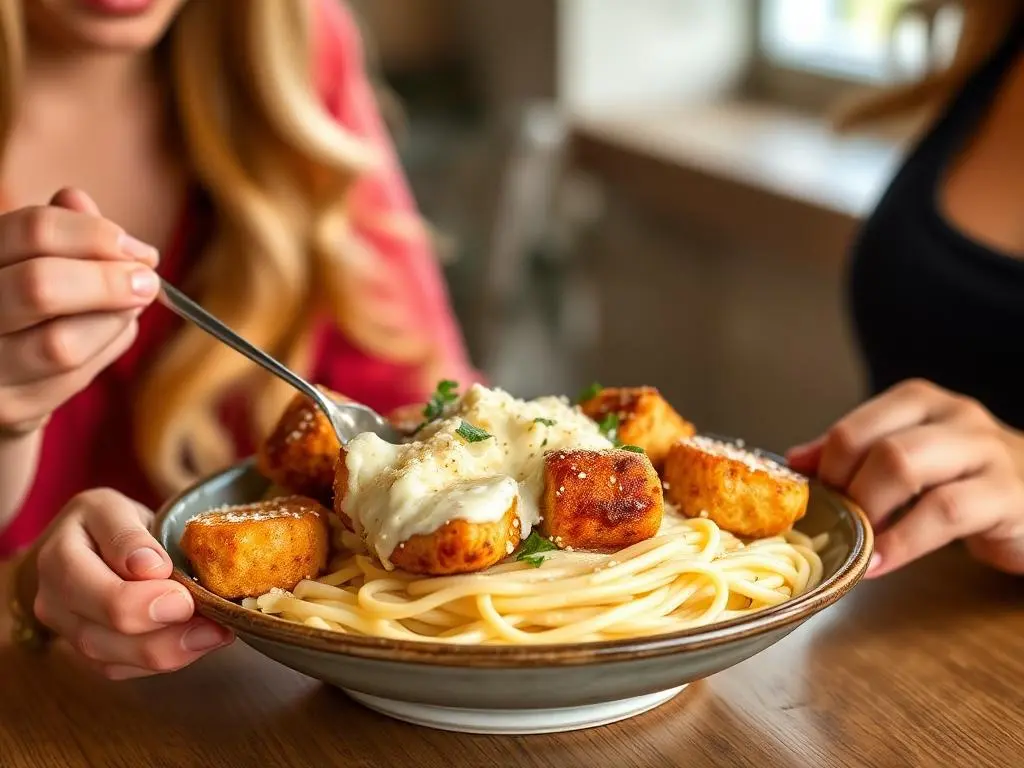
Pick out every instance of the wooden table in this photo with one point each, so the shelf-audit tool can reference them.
(924, 667)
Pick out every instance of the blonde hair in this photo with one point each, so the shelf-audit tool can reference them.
(278, 170)
(985, 24)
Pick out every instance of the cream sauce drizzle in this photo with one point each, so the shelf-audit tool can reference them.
(396, 492)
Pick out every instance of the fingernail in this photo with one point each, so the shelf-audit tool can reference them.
(143, 560)
(874, 563)
(144, 283)
(136, 249)
(170, 608)
(202, 638)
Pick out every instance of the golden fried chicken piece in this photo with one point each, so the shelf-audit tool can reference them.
(742, 492)
(247, 550)
(600, 499)
(301, 452)
(340, 490)
(460, 546)
(642, 417)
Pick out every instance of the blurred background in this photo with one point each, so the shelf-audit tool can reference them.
(650, 192)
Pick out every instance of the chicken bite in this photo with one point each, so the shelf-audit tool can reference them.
(249, 549)
(642, 418)
(742, 492)
(600, 499)
(340, 490)
(301, 452)
(460, 546)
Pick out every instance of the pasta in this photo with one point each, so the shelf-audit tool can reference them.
(512, 522)
(691, 574)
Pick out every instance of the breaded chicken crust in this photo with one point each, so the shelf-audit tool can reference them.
(460, 546)
(340, 490)
(249, 549)
(600, 499)
(645, 419)
(746, 494)
(301, 452)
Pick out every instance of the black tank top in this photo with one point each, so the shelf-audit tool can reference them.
(926, 300)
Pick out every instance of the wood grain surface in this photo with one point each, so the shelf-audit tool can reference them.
(921, 668)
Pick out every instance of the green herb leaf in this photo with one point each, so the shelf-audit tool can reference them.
(445, 394)
(472, 434)
(545, 422)
(589, 393)
(609, 427)
(633, 448)
(531, 549)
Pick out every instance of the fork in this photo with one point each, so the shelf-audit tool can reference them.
(348, 419)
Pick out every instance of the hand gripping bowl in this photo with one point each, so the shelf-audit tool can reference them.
(518, 689)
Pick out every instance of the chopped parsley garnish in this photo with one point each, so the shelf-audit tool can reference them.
(545, 422)
(445, 394)
(530, 551)
(633, 448)
(589, 393)
(609, 427)
(472, 434)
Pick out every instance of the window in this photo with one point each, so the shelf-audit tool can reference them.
(861, 40)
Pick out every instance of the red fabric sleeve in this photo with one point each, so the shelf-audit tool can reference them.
(381, 195)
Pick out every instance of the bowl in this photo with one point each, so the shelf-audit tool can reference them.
(517, 689)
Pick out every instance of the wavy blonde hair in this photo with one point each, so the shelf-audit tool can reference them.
(278, 170)
(985, 24)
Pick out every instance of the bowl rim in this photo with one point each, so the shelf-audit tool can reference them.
(787, 614)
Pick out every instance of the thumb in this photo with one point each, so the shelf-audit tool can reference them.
(75, 200)
(119, 528)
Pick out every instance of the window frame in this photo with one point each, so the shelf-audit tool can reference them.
(804, 88)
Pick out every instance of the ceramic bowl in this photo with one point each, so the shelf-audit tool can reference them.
(515, 689)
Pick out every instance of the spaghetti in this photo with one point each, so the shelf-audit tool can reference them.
(691, 574)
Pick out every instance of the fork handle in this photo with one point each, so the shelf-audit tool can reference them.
(182, 305)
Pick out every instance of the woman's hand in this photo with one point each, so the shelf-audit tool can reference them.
(958, 472)
(71, 287)
(104, 585)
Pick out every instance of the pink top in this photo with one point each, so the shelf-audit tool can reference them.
(85, 443)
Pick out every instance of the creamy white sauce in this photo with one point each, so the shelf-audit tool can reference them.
(396, 492)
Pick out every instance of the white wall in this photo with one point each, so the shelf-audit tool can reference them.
(615, 53)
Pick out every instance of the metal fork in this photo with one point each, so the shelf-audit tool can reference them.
(348, 419)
